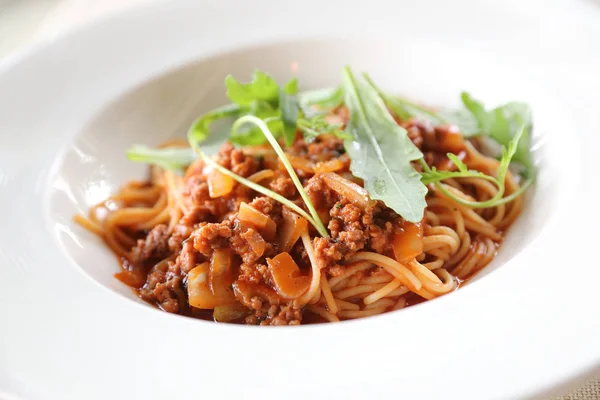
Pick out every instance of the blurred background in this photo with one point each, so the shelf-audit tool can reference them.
(23, 22)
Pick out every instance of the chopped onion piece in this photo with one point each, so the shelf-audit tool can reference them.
(286, 276)
(220, 268)
(259, 150)
(329, 166)
(255, 240)
(270, 230)
(219, 184)
(292, 227)
(300, 163)
(348, 190)
(408, 242)
(251, 215)
(261, 175)
(199, 292)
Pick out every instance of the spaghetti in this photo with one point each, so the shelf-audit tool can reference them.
(203, 245)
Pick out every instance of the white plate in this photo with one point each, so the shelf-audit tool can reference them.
(68, 109)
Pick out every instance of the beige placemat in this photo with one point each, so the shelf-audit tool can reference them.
(591, 391)
(24, 21)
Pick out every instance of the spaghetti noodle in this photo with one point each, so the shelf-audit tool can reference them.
(203, 245)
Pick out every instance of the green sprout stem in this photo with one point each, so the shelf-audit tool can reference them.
(260, 189)
(315, 220)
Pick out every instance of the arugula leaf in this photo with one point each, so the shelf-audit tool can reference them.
(175, 159)
(253, 136)
(260, 98)
(282, 110)
(249, 137)
(432, 175)
(263, 99)
(168, 158)
(477, 110)
(515, 114)
(291, 87)
(315, 126)
(262, 87)
(502, 124)
(381, 151)
(463, 119)
(323, 98)
(201, 126)
(315, 105)
(458, 162)
(288, 104)
(406, 109)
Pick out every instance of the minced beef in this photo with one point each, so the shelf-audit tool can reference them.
(188, 258)
(212, 236)
(164, 288)
(352, 229)
(320, 195)
(170, 296)
(283, 185)
(154, 247)
(167, 255)
(322, 148)
(266, 306)
(236, 161)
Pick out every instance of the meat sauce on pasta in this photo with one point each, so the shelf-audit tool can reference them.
(200, 243)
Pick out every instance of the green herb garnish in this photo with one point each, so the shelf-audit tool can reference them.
(171, 158)
(503, 124)
(259, 97)
(323, 99)
(261, 88)
(290, 110)
(195, 141)
(431, 175)
(315, 126)
(500, 124)
(382, 154)
(381, 151)
(406, 109)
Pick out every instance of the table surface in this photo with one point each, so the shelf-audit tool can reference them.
(26, 21)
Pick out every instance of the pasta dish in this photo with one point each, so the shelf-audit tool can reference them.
(288, 207)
